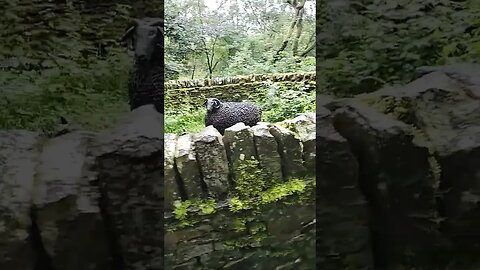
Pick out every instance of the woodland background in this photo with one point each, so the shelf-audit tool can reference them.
(61, 58)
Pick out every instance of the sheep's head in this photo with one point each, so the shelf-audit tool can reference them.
(212, 104)
(144, 36)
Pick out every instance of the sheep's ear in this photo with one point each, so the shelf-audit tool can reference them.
(128, 37)
(128, 33)
(157, 22)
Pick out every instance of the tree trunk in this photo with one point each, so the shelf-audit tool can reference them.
(194, 67)
(298, 19)
(298, 33)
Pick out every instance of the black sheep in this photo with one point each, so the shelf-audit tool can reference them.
(146, 81)
(222, 115)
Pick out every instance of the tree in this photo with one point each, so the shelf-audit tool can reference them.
(296, 27)
(212, 42)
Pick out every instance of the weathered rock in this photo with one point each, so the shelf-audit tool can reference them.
(172, 190)
(304, 126)
(310, 116)
(267, 151)
(66, 205)
(129, 160)
(291, 152)
(396, 178)
(444, 107)
(187, 166)
(277, 234)
(212, 158)
(460, 172)
(342, 211)
(18, 155)
(465, 74)
(240, 147)
(187, 251)
(322, 100)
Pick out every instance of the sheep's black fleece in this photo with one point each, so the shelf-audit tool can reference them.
(231, 113)
(146, 84)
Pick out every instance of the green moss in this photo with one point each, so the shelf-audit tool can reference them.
(237, 205)
(237, 243)
(251, 180)
(287, 125)
(257, 234)
(239, 224)
(283, 190)
(276, 193)
(185, 211)
(256, 228)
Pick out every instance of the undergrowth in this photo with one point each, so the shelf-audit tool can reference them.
(92, 95)
(281, 103)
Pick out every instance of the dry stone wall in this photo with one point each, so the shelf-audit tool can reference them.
(208, 164)
(397, 188)
(252, 87)
(103, 200)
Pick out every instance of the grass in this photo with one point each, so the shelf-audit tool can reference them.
(281, 104)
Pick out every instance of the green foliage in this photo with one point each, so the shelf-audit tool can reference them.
(181, 209)
(185, 120)
(280, 191)
(240, 224)
(184, 210)
(93, 95)
(284, 103)
(369, 43)
(62, 59)
(276, 192)
(250, 60)
(240, 37)
(207, 207)
(254, 187)
(236, 204)
(251, 180)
